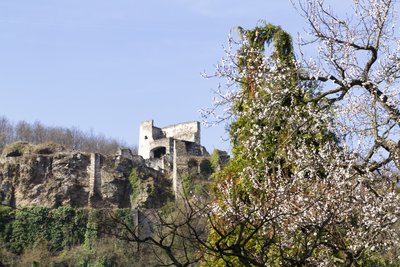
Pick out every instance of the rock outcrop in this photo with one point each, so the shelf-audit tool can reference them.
(51, 176)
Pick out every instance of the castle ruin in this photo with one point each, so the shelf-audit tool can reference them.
(52, 176)
(175, 150)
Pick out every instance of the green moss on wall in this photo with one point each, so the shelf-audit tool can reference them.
(135, 185)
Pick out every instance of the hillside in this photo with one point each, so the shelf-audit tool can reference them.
(49, 175)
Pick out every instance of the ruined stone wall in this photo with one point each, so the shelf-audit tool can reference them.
(157, 133)
(177, 142)
(180, 167)
(94, 179)
(184, 153)
(187, 131)
(151, 137)
(145, 138)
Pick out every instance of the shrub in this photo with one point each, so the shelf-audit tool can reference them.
(214, 160)
(6, 218)
(16, 149)
(47, 148)
(60, 228)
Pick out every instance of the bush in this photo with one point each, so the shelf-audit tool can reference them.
(65, 236)
(105, 252)
(62, 227)
(196, 187)
(6, 219)
(47, 148)
(214, 160)
(71, 138)
(16, 149)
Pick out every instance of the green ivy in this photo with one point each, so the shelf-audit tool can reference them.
(62, 227)
(91, 232)
(6, 219)
(135, 185)
(215, 160)
(197, 187)
(273, 142)
(264, 35)
(187, 184)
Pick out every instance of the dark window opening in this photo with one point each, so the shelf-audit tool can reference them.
(159, 152)
(205, 168)
(193, 167)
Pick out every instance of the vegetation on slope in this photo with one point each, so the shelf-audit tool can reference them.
(70, 138)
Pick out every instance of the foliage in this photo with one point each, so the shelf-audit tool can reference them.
(372, 259)
(6, 218)
(313, 179)
(135, 185)
(91, 230)
(60, 227)
(47, 148)
(187, 184)
(71, 138)
(175, 230)
(295, 194)
(257, 39)
(55, 237)
(36, 256)
(215, 160)
(106, 252)
(195, 187)
(17, 148)
(7, 258)
(358, 65)
(167, 208)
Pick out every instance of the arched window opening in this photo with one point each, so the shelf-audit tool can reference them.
(159, 152)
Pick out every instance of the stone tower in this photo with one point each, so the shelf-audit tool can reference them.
(171, 148)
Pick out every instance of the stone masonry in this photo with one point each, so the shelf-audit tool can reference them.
(176, 149)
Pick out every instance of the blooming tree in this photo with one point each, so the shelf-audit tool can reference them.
(313, 178)
(359, 62)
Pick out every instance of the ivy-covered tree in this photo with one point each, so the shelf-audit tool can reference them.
(294, 193)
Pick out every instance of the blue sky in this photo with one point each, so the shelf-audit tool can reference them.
(108, 65)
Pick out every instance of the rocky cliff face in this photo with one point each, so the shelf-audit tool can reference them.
(48, 175)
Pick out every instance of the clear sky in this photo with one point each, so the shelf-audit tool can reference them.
(108, 65)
